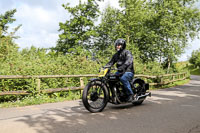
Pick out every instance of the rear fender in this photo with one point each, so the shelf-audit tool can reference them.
(140, 81)
(137, 80)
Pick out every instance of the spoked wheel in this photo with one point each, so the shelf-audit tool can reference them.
(140, 91)
(95, 96)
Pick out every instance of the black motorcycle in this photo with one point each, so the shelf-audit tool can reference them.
(108, 88)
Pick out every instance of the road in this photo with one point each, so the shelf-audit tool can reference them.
(172, 110)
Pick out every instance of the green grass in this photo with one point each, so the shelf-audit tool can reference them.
(195, 71)
(174, 84)
(40, 99)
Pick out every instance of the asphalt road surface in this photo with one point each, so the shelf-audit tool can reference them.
(172, 110)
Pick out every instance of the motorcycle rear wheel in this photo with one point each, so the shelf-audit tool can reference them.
(139, 86)
(95, 97)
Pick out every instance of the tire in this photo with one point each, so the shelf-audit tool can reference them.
(95, 96)
(139, 84)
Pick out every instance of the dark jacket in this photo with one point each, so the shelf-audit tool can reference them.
(124, 60)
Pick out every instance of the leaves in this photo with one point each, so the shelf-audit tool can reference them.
(79, 30)
(6, 19)
(195, 58)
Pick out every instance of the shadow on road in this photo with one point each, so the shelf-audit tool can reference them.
(67, 120)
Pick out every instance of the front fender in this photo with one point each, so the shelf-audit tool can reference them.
(93, 80)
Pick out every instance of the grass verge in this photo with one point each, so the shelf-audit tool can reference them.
(41, 99)
(195, 71)
(182, 82)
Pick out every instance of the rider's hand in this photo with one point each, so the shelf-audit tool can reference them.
(120, 70)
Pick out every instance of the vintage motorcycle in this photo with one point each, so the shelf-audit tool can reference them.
(108, 88)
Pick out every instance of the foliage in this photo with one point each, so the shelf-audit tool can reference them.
(6, 19)
(79, 30)
(35, 61)
(155, 31)
(107, 30)
(195, 58)
(187, 66)
(7, 45)
(174, 27)
(194, 71)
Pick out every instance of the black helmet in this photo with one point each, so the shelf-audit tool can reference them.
(120, 42)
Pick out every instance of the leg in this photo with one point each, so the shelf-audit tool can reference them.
(125, 78)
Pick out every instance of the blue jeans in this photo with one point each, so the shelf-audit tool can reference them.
(125, 78)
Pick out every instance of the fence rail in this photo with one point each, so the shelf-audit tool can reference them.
(163, 79)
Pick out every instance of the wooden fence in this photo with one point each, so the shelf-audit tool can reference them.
(162, 80)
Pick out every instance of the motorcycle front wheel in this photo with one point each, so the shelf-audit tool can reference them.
(95, 96)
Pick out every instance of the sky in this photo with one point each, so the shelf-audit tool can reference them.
(40, 21)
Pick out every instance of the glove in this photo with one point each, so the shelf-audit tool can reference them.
(120, 71)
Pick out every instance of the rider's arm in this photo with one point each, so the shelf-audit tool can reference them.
(128, 61)
(112, 61)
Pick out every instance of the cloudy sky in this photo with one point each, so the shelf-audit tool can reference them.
(40, 21)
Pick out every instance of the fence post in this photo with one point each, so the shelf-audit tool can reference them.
(173, 78)
(38, 86)
(81, 84)
(161, 80)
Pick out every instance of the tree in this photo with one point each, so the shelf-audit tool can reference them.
(79, 30)
(7, 44)
(121, 23)
(195, 58)
(6, 19)
(107, 30)
(135, 13)
(175, 22)
(160, 29)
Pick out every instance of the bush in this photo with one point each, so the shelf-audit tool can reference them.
(195, 58)
(35, 61)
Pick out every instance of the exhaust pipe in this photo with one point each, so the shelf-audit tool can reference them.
(142, 97)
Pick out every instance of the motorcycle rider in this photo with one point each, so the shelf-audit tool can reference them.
(124, 62)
